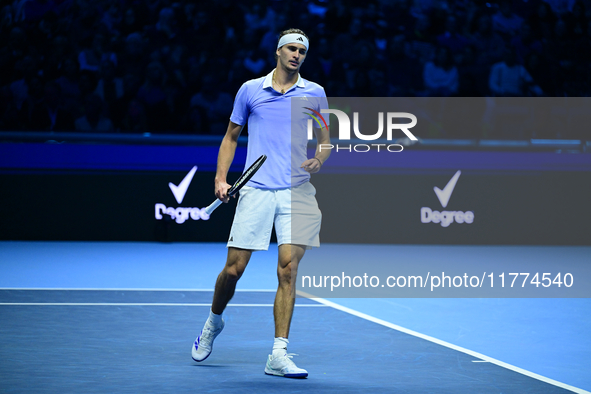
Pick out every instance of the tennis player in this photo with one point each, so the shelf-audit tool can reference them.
(280, 186)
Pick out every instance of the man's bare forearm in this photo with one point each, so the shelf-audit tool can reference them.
(324, 154)
(227, 151)
(225, 158)
(323, 138)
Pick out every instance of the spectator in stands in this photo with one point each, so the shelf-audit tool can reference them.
(577, 24)
(525, 43)
(50, 115)
(404, 74)
(440, 77)
(33, 10)
(505, 21)
(49, 27)
(507, 78)
(12, 54)
(94, 120)
(111, 18)
(8, 113)
(489, 44)
(26, 69)
(561, 7)
(346, 40)
(561, 52)
(338, 17)
(35, 98)
(155, 99)
(259, 17)
(377, 82)
(541, 72)
(320, 65)
(134, 57)
(135, 119)
(69, 83)
(165, 31)
(212, 107)
(54, 56)
(542, 22)
(87, 85)
(6, 20)
(131, 86)
(154, 63)
(359, 66)
(91, 58)
(109, 88)
(130, 23)
(421, 42)
(254, 61)
(451, 37)
(473, 77)
(577, 20)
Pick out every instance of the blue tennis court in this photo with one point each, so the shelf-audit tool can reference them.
(120, 317)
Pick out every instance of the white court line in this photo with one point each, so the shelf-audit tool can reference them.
(126, 289)
(322, 302)
(135, 304)
(482, 357)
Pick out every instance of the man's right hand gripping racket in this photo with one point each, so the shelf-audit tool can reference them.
(244, 178)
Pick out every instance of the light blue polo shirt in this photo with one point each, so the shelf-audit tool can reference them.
(273, 131)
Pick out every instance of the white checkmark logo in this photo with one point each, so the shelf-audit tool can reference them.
(180, 190)
(445, 194)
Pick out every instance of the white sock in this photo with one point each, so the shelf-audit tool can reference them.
(214, 320)
(280, 347)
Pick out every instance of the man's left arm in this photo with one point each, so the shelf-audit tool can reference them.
(322, 153)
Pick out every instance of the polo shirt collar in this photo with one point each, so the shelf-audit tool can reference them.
(268, 83)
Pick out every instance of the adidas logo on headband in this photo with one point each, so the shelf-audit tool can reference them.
(300, 39)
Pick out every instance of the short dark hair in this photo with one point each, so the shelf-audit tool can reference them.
(290, 31)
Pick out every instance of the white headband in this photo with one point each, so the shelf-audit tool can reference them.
(293, 38)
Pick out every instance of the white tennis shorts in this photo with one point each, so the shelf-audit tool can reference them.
(293, 211)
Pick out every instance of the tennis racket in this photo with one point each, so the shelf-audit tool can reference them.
(244, 178)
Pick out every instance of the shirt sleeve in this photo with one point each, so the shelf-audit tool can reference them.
(241, 109)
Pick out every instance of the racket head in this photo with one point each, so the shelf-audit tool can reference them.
(245, 177)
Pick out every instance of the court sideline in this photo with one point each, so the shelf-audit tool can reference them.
(557, 347)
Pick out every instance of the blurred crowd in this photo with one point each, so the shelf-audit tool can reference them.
(166, 66)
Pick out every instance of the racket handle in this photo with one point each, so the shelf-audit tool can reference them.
(213, 206)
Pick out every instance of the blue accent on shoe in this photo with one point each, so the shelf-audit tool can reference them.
(289, 375)
(197, 347)
(295, 375)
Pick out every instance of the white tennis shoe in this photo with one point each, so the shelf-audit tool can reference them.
(204, 343)
(283, 366)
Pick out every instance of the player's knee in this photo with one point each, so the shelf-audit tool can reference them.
(234, 272)
(286, 272)
(235, 265)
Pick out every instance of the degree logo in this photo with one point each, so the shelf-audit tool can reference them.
(445, 218)
(180, 190)
(180, 214)
(445, 194)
